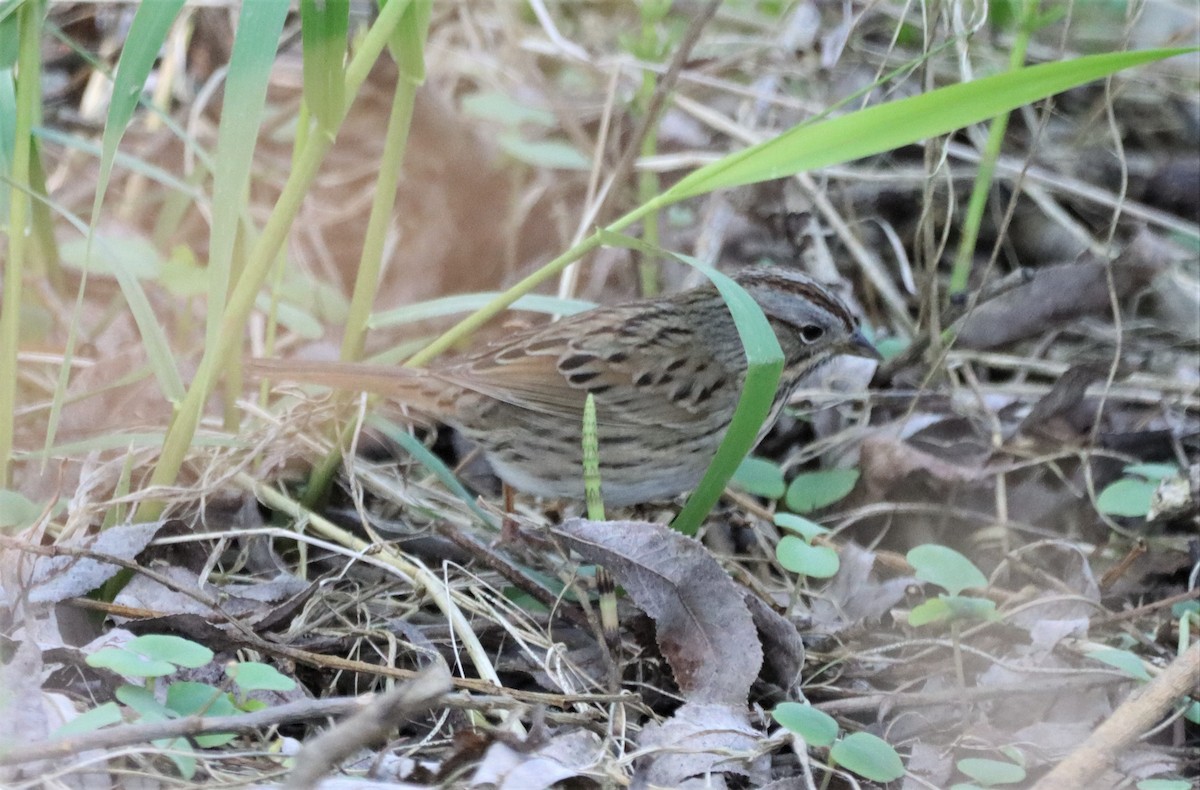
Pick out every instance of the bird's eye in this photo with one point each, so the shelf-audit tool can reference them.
(811, 333)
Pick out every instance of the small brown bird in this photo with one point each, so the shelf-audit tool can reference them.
(666, 374)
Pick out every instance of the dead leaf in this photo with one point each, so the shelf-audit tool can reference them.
(1057, 295)
(696, 742)
(55, 579)
(562, 757)
(704, 628)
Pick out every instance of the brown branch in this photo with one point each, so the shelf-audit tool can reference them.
(1136, 714)
(370, 725)
(130, 734)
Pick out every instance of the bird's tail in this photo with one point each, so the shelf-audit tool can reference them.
(415, 388)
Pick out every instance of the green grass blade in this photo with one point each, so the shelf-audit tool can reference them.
(764, 364)
(28, 100)
(407, 47)
(819, 145)
(154, 337)
(131, 163)
(323, 27)
(888, 126)
(250, 63)
(465, 303)
(259, 264)
(591, 462)
(8, 132)
(151, 24)
(9, 37)
(427, 459)
(764, 360)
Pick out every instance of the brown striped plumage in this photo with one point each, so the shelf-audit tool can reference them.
(666, 374)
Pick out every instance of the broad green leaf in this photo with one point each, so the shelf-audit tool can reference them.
(816, 727)
(891, 347)
(991, 773)
(143, 703)
(811, 491)
(1123, 660)
(952, 607)
(968, 607)
(935, 610)
(946, 568)
(90, 721)
(868, 756)
(256, 676)
(500, 107)
(1153, 471)
(131, 664)
(17, 512)
(820, 562)
(176, 649)
(549, 154)
(1192, 712)
(1165, 784)
(759, 477)
(805, 528)
(1128, 497)
(188, 698)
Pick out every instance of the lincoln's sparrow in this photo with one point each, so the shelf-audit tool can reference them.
(665, 372)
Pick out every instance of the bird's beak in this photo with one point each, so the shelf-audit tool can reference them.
(858, 345)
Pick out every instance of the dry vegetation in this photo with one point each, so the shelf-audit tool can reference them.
(995, 428)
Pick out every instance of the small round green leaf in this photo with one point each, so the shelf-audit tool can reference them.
(868, 756)
(1123, 660)
(176, 649)
(88, 721)
(810, 491)
(187, 698)
(142, 701)
(990, 773)
(125, 662)
(816, 727)
(256, 676)
(1164, 784)
(935, 610)
(1154, 472)
(1192, 712)
(1128, 497)
(820, 562)
(759, 477)
(804, 527)
(968, 607)
(945, 567)
(17, 512)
